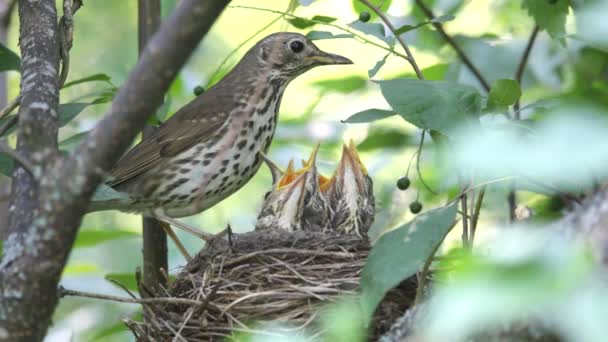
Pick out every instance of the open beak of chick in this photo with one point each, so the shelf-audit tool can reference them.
(305, 199)
(293, 195)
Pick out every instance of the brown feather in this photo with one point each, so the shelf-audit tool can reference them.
(192, 124)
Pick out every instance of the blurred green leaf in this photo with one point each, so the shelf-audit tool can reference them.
(523, 272)
(163, 110)
(92, 78)
(301, 23)
(504, 92)
(6, 164)
(435, 105)
(342, 85)
(126, 279)
(400, 253)
(549, 15)
(8, 59)
(70, 143)
(324, 19)
(381, 138)
(443, 18)
(369, 115)
(88, 238)
(319, 35)
(379, 64)
(68, 111)
(343, 321)
(373, 29)
(383, 5)
(406, 28)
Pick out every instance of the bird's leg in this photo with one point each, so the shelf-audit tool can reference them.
(159, 215)
(167, 228)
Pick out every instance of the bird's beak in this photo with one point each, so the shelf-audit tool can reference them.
(324, 58)
(275, 171)
(351, 168)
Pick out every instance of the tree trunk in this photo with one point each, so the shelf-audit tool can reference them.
(47, 210)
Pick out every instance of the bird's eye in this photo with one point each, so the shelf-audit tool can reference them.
(296, 46)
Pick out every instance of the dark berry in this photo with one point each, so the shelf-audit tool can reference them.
(403, 183)
(415, 207)
(198, 90)
(364, 16)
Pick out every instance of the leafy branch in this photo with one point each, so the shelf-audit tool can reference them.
(321, 22)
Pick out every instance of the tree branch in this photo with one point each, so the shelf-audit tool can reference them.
(155, 257)
(48, 214)
(24, 303)
(512, 196)
(463, 56)
(410, 57)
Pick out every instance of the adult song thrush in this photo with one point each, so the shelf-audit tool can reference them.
(209, 148)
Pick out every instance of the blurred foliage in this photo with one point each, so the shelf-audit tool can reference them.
(559, 146)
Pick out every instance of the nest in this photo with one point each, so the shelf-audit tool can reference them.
(266, 276)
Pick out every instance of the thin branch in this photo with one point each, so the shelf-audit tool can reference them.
(410, 57)
(422, 275)
(512, 196)
(465, 221)
(418, 154)
(344, 29)
(9, 108)
(66, 37)
(522, 66)
(238, 47)
(476, 212)
(461, 54)
(6, 126)
(27, 165)
(63, 292)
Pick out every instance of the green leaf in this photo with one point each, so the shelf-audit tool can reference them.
(324, 19)
(549, 15)
(407, 28)
(69, 144)
(443, 18)
(8, 59)
(301, 23)
(504, 92)
(68, 111)
(92, 78)
(342, 85)
(372, 29)
(88, 238)
(126, 279)
(6, 164)
(382, 138)
(400, 253)
(319, 35)
(369, 115)
(435, 105)
(379, 64)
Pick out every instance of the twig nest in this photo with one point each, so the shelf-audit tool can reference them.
(267, 276)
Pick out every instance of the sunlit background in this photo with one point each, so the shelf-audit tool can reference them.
(312, 109)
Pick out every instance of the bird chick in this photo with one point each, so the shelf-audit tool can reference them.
(350, 194)
(304, 199)
(295, 201)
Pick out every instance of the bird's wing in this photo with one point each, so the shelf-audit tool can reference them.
(194, 123)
